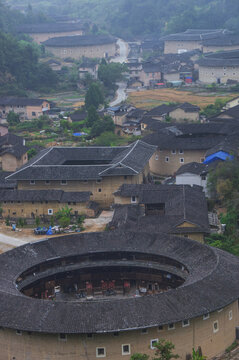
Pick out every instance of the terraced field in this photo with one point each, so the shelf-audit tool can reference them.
(148, 99)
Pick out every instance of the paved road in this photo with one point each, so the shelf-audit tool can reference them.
(121, 92)
(123, 52)
(12, 241)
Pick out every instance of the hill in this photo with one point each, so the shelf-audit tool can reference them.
(129, 18)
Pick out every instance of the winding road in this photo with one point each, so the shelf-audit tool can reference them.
(121, 58)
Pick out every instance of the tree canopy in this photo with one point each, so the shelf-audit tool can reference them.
(129, 18)
(111, 73)
(94, 96)
(20, 68)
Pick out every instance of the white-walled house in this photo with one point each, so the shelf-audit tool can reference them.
(193, 174)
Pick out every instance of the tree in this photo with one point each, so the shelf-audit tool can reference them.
(111, 73)
(164, 350)
(13, 118)
(107, 138)
(94, 96)
(64, 216)
(31, 152)
(92, 116)
(20, 66)
(102, 125)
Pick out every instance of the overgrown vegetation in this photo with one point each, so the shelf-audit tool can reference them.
(20, 69)
(214, 109)
(163, 351)
(224, 188)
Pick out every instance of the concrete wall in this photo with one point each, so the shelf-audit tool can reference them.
(171, 77)
(210, 75)
(191, 179)
(174, 47)
(41, 37)
(102, 191)
(76, 52)
(180, 115)
(33, 346)
(159, 165)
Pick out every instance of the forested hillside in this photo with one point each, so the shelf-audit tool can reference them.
(142, 17)
(20, 69)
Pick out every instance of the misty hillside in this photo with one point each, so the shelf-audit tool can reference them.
(128, 18)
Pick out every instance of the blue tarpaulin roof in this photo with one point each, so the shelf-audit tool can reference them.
(80, 134)
(219, 155)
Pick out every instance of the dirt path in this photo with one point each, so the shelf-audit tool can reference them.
(98, 224)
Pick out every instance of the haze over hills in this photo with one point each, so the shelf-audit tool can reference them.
(142, 17)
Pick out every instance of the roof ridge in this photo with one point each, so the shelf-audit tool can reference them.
(30, 165)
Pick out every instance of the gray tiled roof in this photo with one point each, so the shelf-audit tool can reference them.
(223, 40)
(93, 162)
(220, 59)
(192, 168)
(182, 203)
(190, 136)
(17, 150)
(50, 27)
(211, 284)
(44, 195)
(194, 35)
(13, 101)
(78, 40)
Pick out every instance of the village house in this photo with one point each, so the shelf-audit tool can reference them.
(188, 40)
(197, 173)
(177, 113)
(224, 42)
(119, 116)
(77, 116)
(152, 44)
(13, 152)
(150, 73)
(219, 67)
(185, 143)
(87, 68)
(54, 64)
(193, 174)
(172, 209)
(30, 204)
(27, 108)
(45, 31)
(134, 69)
(99, 170)
(76, 47)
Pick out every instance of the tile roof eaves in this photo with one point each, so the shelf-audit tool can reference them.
(114, 166)
(30, 165)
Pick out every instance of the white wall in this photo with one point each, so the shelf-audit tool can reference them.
(191, 179)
